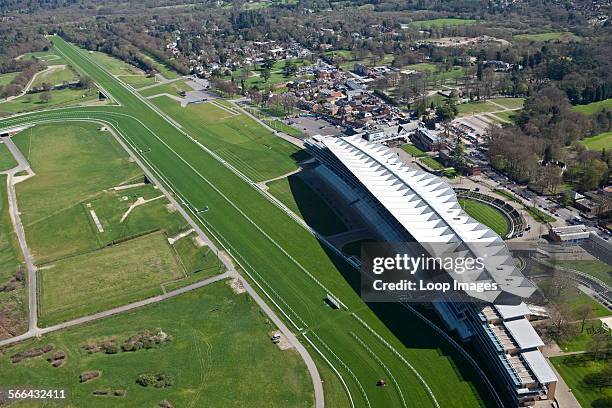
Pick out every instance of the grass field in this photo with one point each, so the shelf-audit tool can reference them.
(441, 22)
(492, 106)
(544, 37)
(305, 202)
(595, 268)
(595, 107)
(580, 340)
(219, 355)
(539, 215)
(431, 162)
(413, 150)
(487, 215)
(423, 67)
(62, 157)
(285, 128)
(510, 103)
(237, 138)
(49, 57)
(13, 304)
(276, 74)
(471, 108)
(166, 72)
(505, 117)
(6, 79)
(113, 276)
(114, 65)
(59, 98)
(573, 298)
(173, 88)
(198, 262)
(293, 267)
(573, 369)
(7, 161)
(55, 77)
(138, 81)
(598, 142)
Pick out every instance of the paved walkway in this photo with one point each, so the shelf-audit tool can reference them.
(22, 165)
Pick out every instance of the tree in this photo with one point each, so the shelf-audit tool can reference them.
(289, 69)
(582, 313)
(85, 82)
(599, 379)
(265, 74)
(45, 97)
(599, 345)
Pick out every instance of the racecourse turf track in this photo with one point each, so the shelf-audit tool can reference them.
(287, 264)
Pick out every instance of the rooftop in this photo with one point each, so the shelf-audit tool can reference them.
(426, 206)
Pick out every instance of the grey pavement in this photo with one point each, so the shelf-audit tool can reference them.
(22, 165)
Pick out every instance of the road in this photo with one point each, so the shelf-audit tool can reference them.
(22, 165)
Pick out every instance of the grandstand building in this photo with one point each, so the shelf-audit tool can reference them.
(402, 204)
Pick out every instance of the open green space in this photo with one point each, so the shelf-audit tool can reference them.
(138, 81)
(423, 67)
(164, 70)
(54, 77)
(7, 78)
(285, 128)
(507, 195)
(431, 162)
(504, 117)
(487, 215)
(256, 79)
(240, 140)
(574, 298)
(595, 107)
(63, 156)
(579, 340)
(113, 65)
(49, 57)
(471, 108)
(7, 161)
(595, 268)
(198, 261)
(441, 22)
(219, 353)
(539, 215)
(305, 202)
(544, 37)
(598, 142)
(59, 98)
(13, 303)
(174, 88)
(413, 150)
(292, 267)
(110, 277)
(574, 369)
(510, 103)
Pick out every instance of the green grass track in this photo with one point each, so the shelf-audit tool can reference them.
(287, 264)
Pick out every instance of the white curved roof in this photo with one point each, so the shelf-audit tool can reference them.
(427, 207)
